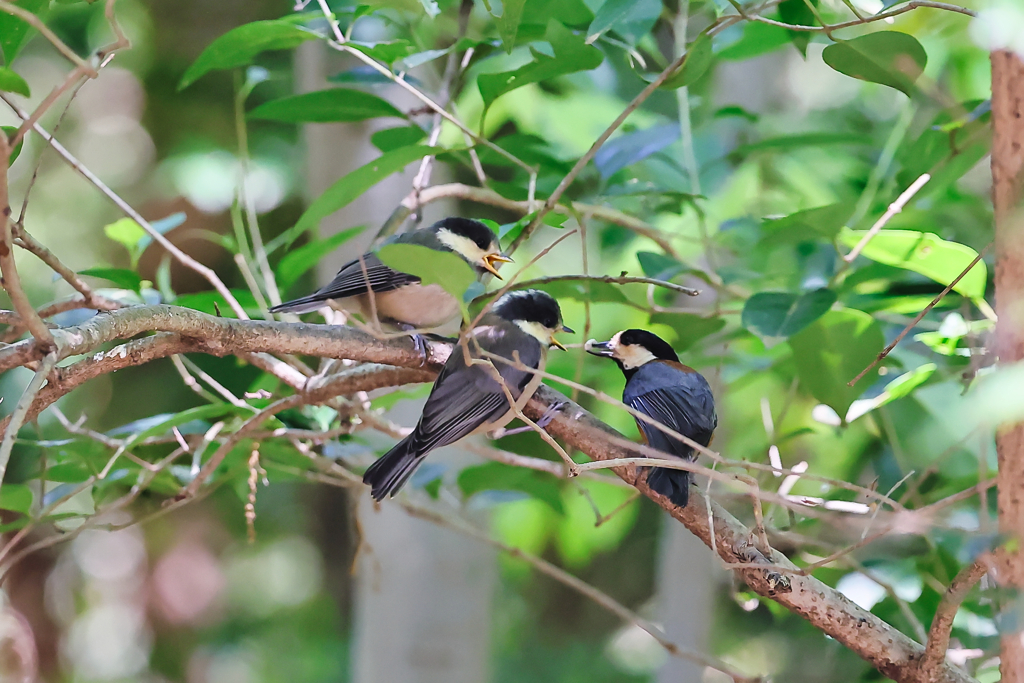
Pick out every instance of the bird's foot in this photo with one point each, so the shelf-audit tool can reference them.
(419, 342)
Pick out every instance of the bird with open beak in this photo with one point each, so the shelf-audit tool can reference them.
(399, 298)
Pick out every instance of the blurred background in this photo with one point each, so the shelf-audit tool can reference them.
(335, 590)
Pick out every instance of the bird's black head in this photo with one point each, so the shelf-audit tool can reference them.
(631, 349)
(473, 241)
(473, 230)
(536, 312)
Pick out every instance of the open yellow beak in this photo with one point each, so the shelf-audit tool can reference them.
(557, 344)
(489, 261)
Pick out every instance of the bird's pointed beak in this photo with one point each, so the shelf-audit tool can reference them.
(490, 259)
(597, 348)
(559, 345)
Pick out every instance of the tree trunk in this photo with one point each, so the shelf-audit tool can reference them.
(1007, 176)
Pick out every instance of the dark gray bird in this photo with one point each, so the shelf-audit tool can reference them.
(467, 399)
(398, 297)
(665, 390)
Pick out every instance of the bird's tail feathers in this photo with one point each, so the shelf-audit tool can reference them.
(393, 469)
(675, 484)
(306, 304)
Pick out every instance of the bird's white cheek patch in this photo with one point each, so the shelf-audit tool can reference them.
(633, 356)
(461, 245)
(535, 330)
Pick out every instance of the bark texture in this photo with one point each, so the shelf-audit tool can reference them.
(1007, 176)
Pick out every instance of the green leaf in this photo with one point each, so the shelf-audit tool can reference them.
(12, 82)
(659, 266)
(887, 57)
(758, 39)
(16, 152)
(430, 7)
(689, 327)
(393, 138)
(819, 223)
(832, 351)
(125, 279)
(15, 33)
(572, 54)
(420, 58)
(326, 106)
(497, 476)
(127, 233)
(630, 19)
(781, 314)
(355, 183)
(176, 420)
(699, 56)
(16, 497)
(900, 387)
(432, 267)
(297, 261)
(925, 253)
(388, 52)
(626, 150)
(239, 47)
(508, 22)
(798, 13)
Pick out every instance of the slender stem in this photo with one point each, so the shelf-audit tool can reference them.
(893, 209)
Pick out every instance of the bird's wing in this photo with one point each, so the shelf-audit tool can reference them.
(686, 407)
(465, 397)
(351, 281)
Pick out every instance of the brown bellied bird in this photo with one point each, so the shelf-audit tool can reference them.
(468, 398)
(665, 390)
(399, 298)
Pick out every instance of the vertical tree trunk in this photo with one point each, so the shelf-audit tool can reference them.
(1007, 177)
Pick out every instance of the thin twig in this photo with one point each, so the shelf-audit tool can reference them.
(914, 4)
(922, 314)
(942, 622)
(90, 299)
(182, 257)
(610, 279)
(893, 209)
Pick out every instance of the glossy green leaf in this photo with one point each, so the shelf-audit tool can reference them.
(239, 47)
(630, 19)
(888, 57)
(659, 266)
(420, 58)
(689, 327)
(796, 12)
(626, 150)
(572, 54)
(925, 253)
(782, 314)
(508, 22)
(126, 279)
(393, 138)
(699, 55)
(353, 184)
(298, 261)
(832, 351)
(819, 223)
(496, 476)
(326, 106)
(432, 267)
(16, 497)
(12, 82)
(15, 33)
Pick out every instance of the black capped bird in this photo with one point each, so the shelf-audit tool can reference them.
(665, 390)
(399, 298)
(468, 398)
